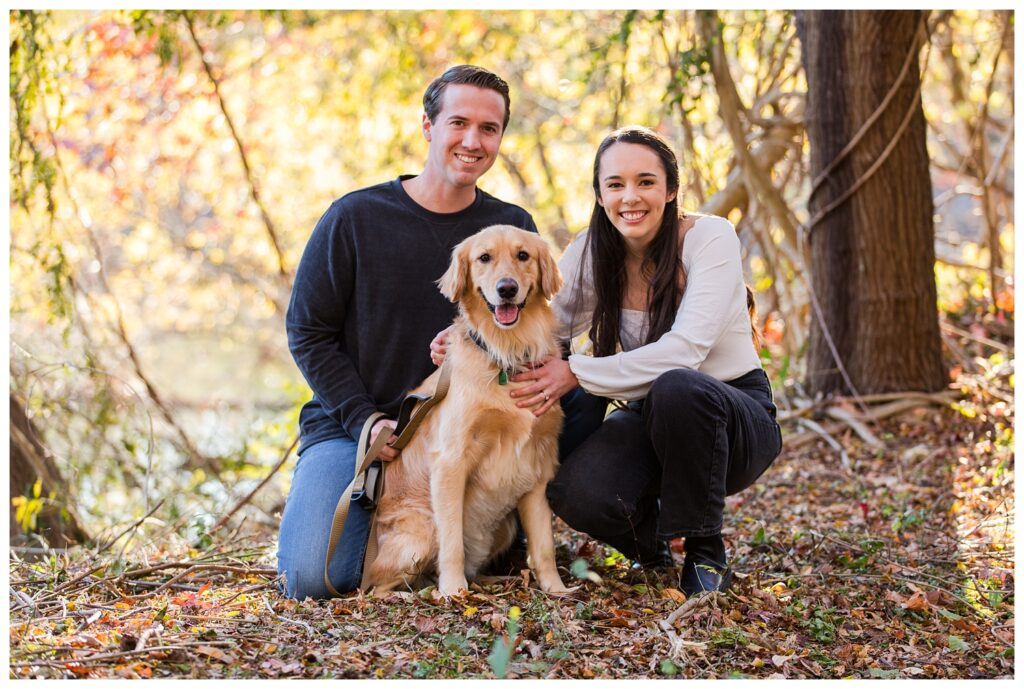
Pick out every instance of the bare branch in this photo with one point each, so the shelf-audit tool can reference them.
(756, 179)
(247, 498)
(283, 271)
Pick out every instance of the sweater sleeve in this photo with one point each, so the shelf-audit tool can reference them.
(711, 255)
(574, 303)
(315, 323)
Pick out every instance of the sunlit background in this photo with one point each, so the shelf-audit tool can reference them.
(167, 169)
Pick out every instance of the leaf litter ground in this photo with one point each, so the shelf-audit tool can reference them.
(900, 565)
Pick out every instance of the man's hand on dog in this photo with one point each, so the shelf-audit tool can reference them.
(387, 452)
(553, 379)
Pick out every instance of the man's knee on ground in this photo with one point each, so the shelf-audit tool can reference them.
(301, 581)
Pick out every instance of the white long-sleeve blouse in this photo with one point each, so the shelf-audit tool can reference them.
(711, 332)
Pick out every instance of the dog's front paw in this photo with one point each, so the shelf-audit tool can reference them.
(450, 587)
(555, 586)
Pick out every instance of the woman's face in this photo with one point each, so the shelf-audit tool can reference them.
(633, 192)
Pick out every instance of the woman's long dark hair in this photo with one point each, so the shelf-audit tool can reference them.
(661, 262)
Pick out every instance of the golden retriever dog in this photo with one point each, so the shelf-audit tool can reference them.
(449, 501)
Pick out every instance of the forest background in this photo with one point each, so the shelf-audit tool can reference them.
(167, 169)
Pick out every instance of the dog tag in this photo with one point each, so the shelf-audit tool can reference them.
(502, 377)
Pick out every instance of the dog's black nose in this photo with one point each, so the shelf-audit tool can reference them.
(507, 288)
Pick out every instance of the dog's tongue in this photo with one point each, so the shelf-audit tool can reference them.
(506, 313)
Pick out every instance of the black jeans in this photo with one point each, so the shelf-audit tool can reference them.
(661, 468)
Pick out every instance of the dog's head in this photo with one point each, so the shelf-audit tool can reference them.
(503, 268)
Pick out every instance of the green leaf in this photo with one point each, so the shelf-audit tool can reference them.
(580, 570)
(499, 657)
(957, 644)
(456, 642)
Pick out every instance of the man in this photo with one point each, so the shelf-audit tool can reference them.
(365, 306)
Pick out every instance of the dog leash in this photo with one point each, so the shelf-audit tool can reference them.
(408, 422)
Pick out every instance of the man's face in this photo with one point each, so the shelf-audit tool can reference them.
(465, 135)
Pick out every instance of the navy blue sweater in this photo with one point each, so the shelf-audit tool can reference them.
(364, 305)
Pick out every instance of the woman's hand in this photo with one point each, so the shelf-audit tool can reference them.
(553, 379)
(439, 345)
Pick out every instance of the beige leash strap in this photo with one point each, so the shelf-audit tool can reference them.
(423, 407)
(364, 460)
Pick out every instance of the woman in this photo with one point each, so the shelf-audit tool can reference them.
(663, 297)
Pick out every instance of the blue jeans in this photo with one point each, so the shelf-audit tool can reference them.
(321, 475)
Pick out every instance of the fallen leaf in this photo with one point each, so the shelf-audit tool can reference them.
(895, 597)
(216, 654)
(918, 601)
(674, 595)
(426, 625)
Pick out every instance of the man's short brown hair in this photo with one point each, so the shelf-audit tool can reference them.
(464, 74)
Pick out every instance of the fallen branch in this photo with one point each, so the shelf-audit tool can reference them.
(975, 338)
(940, 398)
(258, 571)
(281, 617)
(689, 607)
(797, 413)
(123, 654)
(850, 419)
(902, 402)
(151, 584)
(844, 459)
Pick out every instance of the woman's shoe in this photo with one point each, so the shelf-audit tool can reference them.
(701, 576)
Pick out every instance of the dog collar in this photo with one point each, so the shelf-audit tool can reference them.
(503, 373)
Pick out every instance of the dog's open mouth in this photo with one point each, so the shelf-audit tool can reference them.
(505, 314)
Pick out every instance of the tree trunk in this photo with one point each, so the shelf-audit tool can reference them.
(872, 256)
(30, 462)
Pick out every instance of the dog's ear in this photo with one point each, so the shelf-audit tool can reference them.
(453, 283)
(550, 276)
